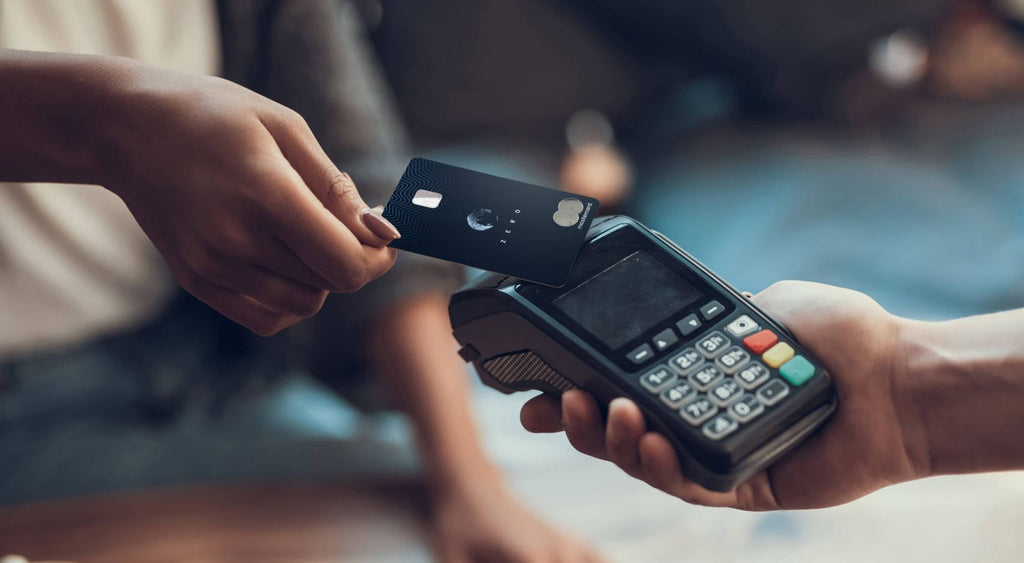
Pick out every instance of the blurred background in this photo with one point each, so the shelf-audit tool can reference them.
(869, 144)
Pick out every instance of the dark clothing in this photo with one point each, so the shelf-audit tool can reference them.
(312, 56)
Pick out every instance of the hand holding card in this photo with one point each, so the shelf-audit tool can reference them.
(488, 222)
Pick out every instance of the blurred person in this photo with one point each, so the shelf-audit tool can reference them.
(101, 365)
(916, 399)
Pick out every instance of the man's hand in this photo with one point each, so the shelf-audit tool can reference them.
(238, 197)
(870, 443)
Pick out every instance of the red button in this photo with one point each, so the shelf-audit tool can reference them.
(761, 341)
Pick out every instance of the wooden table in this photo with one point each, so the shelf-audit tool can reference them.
(252, 523)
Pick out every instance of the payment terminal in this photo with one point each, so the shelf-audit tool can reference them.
(729, 387)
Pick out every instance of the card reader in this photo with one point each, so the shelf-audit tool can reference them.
(730, 387)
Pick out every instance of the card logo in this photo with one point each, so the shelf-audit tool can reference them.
(568, 213)
(481, 219)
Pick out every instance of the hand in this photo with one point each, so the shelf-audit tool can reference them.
(238, 197)
(486, 524)
(869, 443)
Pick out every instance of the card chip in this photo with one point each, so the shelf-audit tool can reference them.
(426, 198)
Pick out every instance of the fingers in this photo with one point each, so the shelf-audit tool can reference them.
(661, 470)
(542, 414)
(582, 421)
(277, 257)
(622, 438)
(241, 309)
(271, 290)
(327, 247)
(334, 188)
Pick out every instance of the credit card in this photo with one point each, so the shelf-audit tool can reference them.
(488, 222)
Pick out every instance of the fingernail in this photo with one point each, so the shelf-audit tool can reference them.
(380, 226)
(379, 209)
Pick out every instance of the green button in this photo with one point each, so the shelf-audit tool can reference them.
(797, 371)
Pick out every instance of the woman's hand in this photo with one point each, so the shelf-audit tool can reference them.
(238, 197)
(871, 442)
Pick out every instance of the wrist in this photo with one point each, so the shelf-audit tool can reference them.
(913, 360)
(961, 392)
(110, 118)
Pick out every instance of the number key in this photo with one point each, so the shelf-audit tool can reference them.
(657, 379)
(698, 411)
(686, 361)
(713, 344)
(725, 392)
(746, 408)
(705, 377)
(733, 359)
(752, 375)
(677, 394)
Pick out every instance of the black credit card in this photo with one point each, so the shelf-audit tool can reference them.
(488, 222)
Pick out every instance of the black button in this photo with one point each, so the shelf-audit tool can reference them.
(664, 339)
(712, 310)
(641, 354)
(772, 392)
(689, 324)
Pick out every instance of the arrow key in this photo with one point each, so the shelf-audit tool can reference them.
(665, 339)
(689, 324)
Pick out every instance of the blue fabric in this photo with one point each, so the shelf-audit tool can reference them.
(928, 233)
(179, 403)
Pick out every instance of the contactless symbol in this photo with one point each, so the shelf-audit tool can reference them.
(568, 213)
(481, 219)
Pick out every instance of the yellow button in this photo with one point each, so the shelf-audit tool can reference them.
(778, 354)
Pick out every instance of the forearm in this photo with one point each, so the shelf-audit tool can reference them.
(963, 387)
(413, 345)
(52, 107)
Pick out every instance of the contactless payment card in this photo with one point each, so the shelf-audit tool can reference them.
(488, 222)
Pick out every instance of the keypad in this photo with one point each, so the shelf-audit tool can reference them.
(746, 408)
(728, 378)
(665, 339)
(713, 344)
(678, 394)
(741, 325)
(689, 324)
(686, 361)
(711, 310)
(797, 371)
(657, 379)
(760, 341)
(697, 411)
(725, 392)
(772, 392)
(720, 427)
(732, 360)
(752, 375)
(705, 377)
(641, 354)
(778, 355)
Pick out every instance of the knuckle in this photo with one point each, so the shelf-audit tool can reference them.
(341, 188)
(293, 118)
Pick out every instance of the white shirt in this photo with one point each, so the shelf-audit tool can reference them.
(74, 265)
